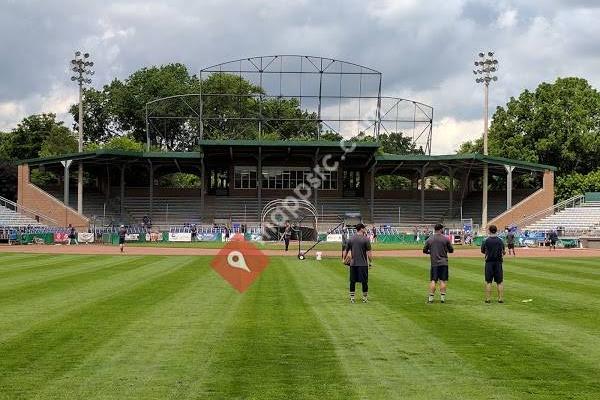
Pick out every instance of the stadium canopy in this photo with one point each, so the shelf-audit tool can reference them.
(216, 150)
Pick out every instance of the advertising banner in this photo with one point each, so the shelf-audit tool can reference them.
(208, 237)
(85, 237)
(61, 237)
(132, 237)
(180, 237)
(334, 237)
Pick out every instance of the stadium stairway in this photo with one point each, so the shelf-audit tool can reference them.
(583, 218)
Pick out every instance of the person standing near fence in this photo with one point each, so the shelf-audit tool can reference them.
(287, 234)
(72, 235)
(122, 234)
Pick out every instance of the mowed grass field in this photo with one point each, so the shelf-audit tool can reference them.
(128, 327)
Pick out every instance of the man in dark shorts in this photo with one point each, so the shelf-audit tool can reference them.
(194, 232)
(122, 233)
(287, 234)
(553, 238)
(358, 256)
(494, 251)
(510, 242)
(438, 246)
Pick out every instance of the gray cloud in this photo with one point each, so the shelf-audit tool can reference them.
(424, 49)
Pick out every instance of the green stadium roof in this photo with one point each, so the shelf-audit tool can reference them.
(382, 159)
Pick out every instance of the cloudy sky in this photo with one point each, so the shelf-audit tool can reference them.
(424, 49)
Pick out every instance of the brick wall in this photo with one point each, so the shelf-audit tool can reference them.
(538, 201)
(34, 198)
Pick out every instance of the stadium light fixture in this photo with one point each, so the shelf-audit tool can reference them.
(488, 66)
(82, 69)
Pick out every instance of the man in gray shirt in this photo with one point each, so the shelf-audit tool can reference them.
(438, 246)
(357, 255)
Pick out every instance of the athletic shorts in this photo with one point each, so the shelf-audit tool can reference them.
(553, 242)
(439, 273)
(493, 272)
(510, 245)
(121, 240)
(359, 274)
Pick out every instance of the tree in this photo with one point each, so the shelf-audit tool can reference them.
(124, 143)
(471, 146)
(99, 119)
(558, 124)
(575, 184)
(60, 141)
(27, 138)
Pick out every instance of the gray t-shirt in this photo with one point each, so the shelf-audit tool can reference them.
(359, 245)
(438, 246)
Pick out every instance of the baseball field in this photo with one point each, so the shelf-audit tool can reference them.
(169, 327)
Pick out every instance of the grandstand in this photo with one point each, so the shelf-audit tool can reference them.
(239, 177)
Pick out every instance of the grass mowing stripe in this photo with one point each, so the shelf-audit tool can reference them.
(558, 292)
(386, 355)
(36, 265)
(17, 318)
(274, 347)
(561, 301)
(160, 355)
(562, 267)
(561, 373)
(49, 275)
(48, 351)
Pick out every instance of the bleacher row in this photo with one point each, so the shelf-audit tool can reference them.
(584, 218)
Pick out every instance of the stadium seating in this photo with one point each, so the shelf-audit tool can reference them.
(386, 211)
(583, 218)
(12, 218)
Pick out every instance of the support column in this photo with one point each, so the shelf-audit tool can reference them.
(66, 164)
(259, 183)
(423, 172)
(202, 185)
(484, 201)
(451, 195)
(509, 170)
(122, 202)
(107, 193)
(151, 187)
(80, 188)
(372, 194)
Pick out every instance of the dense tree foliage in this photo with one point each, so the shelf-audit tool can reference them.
(557, 124)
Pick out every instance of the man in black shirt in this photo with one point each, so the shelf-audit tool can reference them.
(122, 233)
(358, 256)
(494, 251)
(553, 238)
(438, 246)
(287, 234)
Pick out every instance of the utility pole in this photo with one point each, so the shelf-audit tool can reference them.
(82, 68)
(487, 65)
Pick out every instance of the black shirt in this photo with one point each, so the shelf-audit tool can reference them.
(122, 233)
(493, 248)
(359, 245)
(438, 246)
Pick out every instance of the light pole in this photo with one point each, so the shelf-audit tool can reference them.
(486, 65)
(82, 69)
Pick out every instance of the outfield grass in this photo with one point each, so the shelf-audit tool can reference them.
(94, 327)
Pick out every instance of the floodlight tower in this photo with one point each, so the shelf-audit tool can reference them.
(81, 66)
(486, 65)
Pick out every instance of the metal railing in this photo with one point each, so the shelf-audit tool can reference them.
(19, 209)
